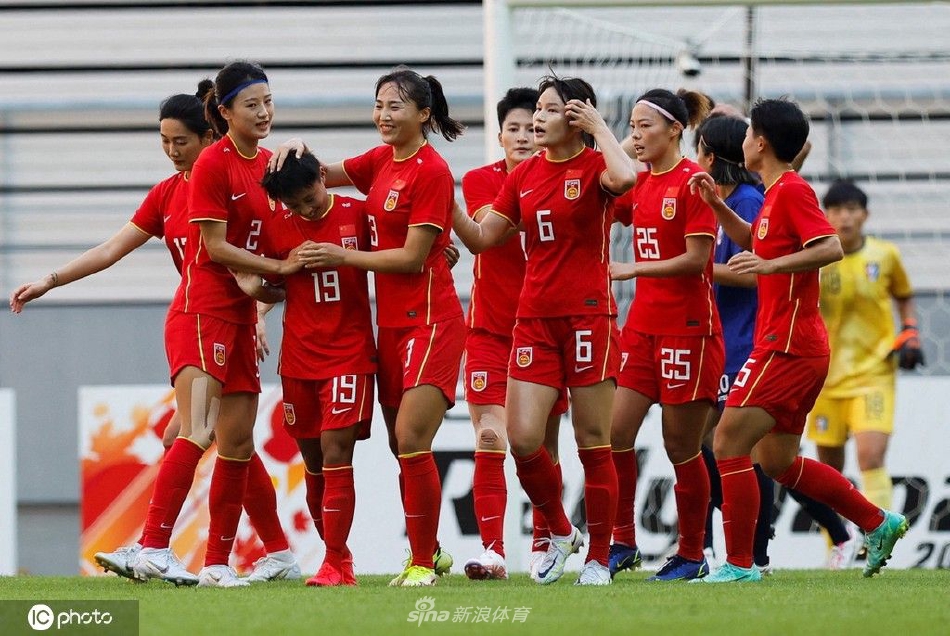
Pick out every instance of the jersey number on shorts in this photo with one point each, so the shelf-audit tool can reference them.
(743, 376)
(344, 389)
(674, 364)
(326, 286)
(648, 248)
(545, 228)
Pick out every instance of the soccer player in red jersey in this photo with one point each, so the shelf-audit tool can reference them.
(672, 349)
(210, 338)
(328, 355)
(499, 277)
(565, 334)
(410, 193)
(777, 387)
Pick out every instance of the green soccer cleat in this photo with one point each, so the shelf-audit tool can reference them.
(729, 573)
(880, 541)
(418, 576)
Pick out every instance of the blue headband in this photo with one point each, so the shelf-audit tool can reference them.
(240, 87)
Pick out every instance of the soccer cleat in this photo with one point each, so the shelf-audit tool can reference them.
(729, 573)
(161, 563)
(220, 576)
(623, 557)
(490, 565)
(273, 567)
(329, 575)
(443, 561)
(841, 555)
(766, 570)
(551, 567)
(120, 561)
(594, 573)
(677, 568)
(534, 561)
(880, 541)
(349, 577)
(418, 576)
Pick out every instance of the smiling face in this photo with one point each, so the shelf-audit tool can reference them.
(654, 137)
(250, 114)
(398, 120)
(517, 136)
(551, 125)
(180, 144)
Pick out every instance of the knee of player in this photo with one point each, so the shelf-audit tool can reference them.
(490, 439)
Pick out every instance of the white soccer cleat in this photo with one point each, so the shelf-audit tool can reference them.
(220, 576)
(841, 555)
(274, 567)
(551, 567)
(161, 563)
(120, 561)
(594, 573)
(489, 565)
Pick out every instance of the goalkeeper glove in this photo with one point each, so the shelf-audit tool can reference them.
(907, 347)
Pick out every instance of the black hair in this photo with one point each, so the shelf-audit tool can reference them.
(522, 97)
(568, 88)
(297, 174)
(222, 92)
(187, 109)
(843, 192)
(689, 108)
(783, 124)
(424, 92)
(722, 137)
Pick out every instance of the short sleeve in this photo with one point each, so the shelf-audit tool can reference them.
(900, 281)
(149, 217)
(360, 170)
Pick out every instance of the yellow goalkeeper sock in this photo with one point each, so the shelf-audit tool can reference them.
(877, 487)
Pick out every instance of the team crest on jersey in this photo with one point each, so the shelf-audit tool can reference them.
(349, 243)
(272, 204)
(219, 354)
(289, 416)
(668, 211)
(391, 200)
(479, 380)
(524, 356)
(572, 189)
(763, 228)
(873, 271)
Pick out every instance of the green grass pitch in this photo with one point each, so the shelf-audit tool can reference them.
(895, 603)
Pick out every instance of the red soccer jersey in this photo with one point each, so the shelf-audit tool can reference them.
(499, 272)
(566, 216)
(411, 192)
(225, 186)
(665, 213)
(788, 319)
(164, 214)
(328, 326)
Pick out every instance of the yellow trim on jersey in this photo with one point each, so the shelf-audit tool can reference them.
(574, 156)
(734, 472)
(485, 208)
(435, 225)
(238, 150)
(791, 328)
(201, 349)
(702, 355)
(759, 379)
(327, 469)
(429, 298)
(363, 399)
(675, 166)
(425, 358)
(510, 222)
(812, 240)
(603, 369)
(206, 219)
(712, 236)
(425, 142)
(769, 187)
(141, 230)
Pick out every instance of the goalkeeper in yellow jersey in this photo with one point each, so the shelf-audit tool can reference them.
(856, 295)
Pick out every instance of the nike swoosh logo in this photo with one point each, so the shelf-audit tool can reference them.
(579, 369)
(166, 219)
(490, 518)
(224, 538)
(337, 411)
(235, 197)
(525, 193)
(675, 386)
(166, 526)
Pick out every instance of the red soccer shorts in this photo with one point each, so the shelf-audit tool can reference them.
(486, 370)
(671, 369)
(314, 406)
(566, 351)
(224, 350)
(785, 386)
(423, 354)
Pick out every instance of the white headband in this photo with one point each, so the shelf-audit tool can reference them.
(659, 109)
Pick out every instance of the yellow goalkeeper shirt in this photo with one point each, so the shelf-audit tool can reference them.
(856, 295)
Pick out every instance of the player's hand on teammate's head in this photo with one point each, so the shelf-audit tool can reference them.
(294, 145)
(907, 347)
